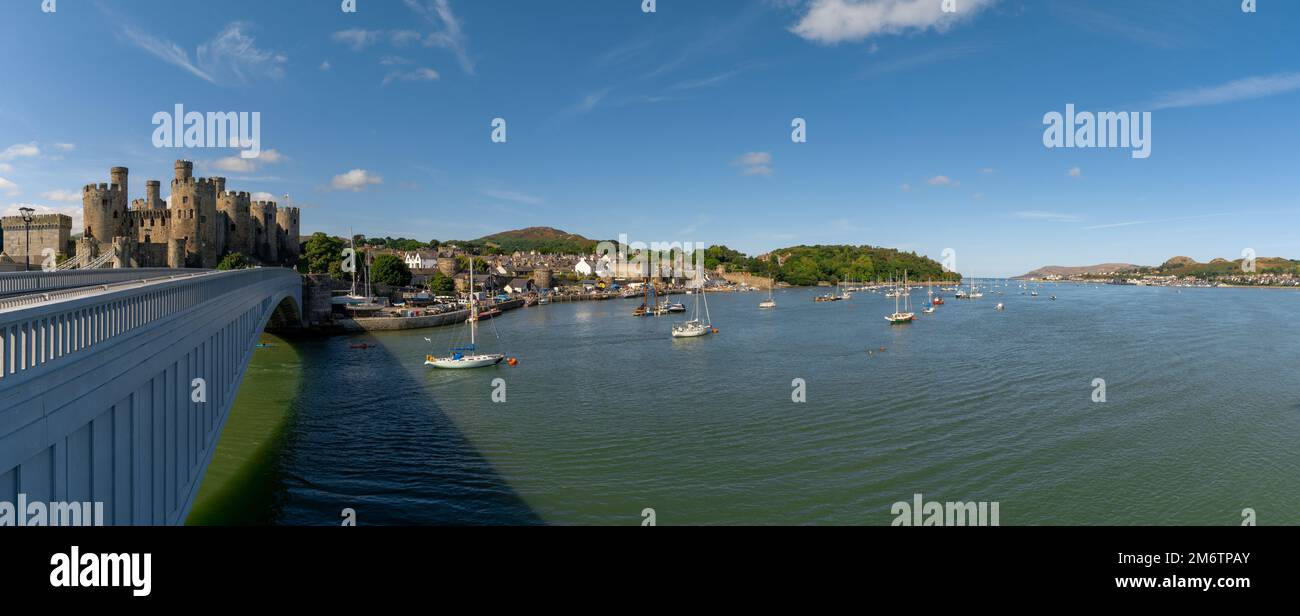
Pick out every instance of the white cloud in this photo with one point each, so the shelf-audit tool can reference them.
(837, 21)
(1231, 92)
(355, 180)
(419, 74)
(755, 163)
(1075, 172)
(65, 147)
(9, 188)
(325, 66)
(517, 197)
(62, 195)
(237, 164)
(943, 180)
(21, 150)
(6, 168)
(262, 196)
(72, 211)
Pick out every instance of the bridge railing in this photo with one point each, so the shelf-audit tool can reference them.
(36, 282)
(35, 337)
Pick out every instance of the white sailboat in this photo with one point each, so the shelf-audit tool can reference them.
(467, 356)
(899, 317)
(769, 302)
(695, 327)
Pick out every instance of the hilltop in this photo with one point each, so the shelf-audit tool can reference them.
(546, 240)
(1079, 270)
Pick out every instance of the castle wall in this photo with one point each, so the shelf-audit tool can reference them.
(47, 231)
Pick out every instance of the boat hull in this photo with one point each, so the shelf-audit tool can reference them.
(469, 361)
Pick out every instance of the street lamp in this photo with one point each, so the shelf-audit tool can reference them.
(27, 223)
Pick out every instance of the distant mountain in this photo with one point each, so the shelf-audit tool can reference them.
(1187, 266)
(1061, 270)
(546, 240)
(1176, 266)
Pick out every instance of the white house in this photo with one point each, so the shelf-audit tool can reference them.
(583, 268)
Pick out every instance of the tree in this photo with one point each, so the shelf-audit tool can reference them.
(233, 261)
(441, 284)
(390, 270)
(323, 253)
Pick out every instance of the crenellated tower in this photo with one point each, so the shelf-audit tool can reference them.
(194, 215)
(104, 207)
(234, 207)
(286, 226)
(265, 242)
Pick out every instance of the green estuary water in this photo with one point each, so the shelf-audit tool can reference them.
(607, 415)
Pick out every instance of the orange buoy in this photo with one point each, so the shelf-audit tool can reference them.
(715, 330)
(512, 361)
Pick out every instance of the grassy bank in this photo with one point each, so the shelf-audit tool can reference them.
(239, 487)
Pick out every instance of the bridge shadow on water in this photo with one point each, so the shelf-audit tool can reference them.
(366, 435)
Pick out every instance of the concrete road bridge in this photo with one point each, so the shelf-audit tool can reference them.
(100, 379)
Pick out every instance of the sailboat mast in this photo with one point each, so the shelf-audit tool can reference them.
(473, 304)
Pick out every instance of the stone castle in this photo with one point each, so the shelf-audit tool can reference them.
(203, 223)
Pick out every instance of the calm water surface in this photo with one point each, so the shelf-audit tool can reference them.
(607, 415)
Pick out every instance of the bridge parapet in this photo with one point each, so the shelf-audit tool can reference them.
(37, 282)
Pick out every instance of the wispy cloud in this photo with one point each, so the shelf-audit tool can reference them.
(21, 150)
(1149, 222)
(836, 21)
(8, 187)
(448, 31)
(1075, 172)
(1124, 26)
(943, 180)
(232, 57)
(419, 74)
(1048, 216)
(1242, 89)
(588, 103)
(924, 58)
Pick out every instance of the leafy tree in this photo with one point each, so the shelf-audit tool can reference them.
(441, 284)
(233, 261)
(390, 270)
(323, 254)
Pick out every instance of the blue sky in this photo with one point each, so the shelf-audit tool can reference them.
(924, 128)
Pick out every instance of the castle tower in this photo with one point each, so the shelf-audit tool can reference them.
(104, 207)
(286, 226)
(194, 216)
(152, 201)
(118, 175)
(264, 233)
(234, 207)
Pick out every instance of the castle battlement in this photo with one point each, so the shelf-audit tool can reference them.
(102, 187)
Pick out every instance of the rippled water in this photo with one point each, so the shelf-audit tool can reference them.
(607, 415)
